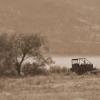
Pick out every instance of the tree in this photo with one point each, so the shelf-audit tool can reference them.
(16, 48)
(25, 46)
(5, 46)
(6, 62)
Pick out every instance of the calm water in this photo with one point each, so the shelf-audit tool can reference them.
(66, 60)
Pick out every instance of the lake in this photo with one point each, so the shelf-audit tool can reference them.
(66, 60)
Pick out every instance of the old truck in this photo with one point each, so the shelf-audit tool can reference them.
(81, 65)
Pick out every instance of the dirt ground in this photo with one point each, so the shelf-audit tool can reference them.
(52, 87)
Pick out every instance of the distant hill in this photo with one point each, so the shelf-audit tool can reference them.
(71, 26)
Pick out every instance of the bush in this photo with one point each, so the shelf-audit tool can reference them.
(59, 69)
(7, 70)
(33, 69)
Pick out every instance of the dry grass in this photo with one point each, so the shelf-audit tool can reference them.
(54, 87)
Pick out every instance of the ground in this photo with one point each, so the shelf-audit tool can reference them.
(51, 87)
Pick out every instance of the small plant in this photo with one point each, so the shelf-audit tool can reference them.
(59, 69)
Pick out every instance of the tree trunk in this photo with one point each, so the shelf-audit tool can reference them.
(18, 68)
(18, 65)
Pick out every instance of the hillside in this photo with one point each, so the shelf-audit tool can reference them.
(71, 26)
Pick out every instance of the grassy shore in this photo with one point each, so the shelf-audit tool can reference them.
(51, 87)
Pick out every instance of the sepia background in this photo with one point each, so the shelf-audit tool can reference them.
(68, 29)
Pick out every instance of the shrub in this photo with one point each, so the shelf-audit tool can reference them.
(34, 69)
(7, 70)
(59, 69)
